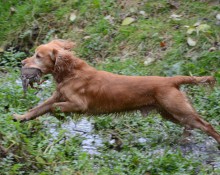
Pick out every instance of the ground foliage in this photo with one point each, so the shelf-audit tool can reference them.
(124, 37)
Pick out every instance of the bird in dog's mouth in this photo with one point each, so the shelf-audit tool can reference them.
(29, 76)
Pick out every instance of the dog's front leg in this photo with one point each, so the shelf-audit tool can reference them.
(53, 99)
(33, 113)
(39, 110)
(70, 106)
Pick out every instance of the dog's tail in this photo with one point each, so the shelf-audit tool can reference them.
(207, 80)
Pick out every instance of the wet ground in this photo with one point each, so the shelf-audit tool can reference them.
(84, 128)
(206, 151)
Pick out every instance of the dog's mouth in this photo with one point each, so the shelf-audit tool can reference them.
(30, 76)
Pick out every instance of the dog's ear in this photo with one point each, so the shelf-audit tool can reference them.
(63, 64)
(69, 45)
(54, 54)
(64, 44)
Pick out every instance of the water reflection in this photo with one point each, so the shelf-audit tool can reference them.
(84, 128)
(206, 151)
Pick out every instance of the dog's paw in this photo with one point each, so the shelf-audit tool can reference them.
(17, 117)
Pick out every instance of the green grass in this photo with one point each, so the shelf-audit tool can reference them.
(29, 149)
(108, 45)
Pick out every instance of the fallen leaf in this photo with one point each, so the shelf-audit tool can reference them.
(175, 17)
(109, 18)
(191, 42)
(12, 9)
(162, 44)
(142, 12)
(190, 30)
(203, 28)
(197, 24)
(1, 49)
(127, 21)
(186, 26)
(72, 17)
(173, 4)
(86, 37)
(212, 49)
(132, 10)
(149, 61)
(218, 16)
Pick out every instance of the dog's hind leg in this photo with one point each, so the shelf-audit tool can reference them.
(175, 103)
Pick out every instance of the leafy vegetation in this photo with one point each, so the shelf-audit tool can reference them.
(153, 41)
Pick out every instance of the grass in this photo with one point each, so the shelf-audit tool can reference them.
(28, 148)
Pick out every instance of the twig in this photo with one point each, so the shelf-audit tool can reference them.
(52, 144)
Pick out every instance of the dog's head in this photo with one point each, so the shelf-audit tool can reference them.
(45, 55)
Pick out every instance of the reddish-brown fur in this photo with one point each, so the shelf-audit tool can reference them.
(83, 89)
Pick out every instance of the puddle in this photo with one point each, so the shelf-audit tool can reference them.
(84, 128)
(206, 151)
(18, 81)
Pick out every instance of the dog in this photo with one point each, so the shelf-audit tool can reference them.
(81, 88)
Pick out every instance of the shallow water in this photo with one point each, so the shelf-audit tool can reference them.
(84, 128)
(206, 151)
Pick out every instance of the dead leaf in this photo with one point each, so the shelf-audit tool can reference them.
(218, 16)
(109, 18)
(203, 28)
(86, 37)
(12, 10)
(162, 44)
(191, 42)
(175, 17)
(173, 4)
(149, 61)
(186, 26)
(1, 49)
(212, 49)
(133, 10)
(127, 21)
(190, 30)
(197, 24)
(142, 12)
(72, 17)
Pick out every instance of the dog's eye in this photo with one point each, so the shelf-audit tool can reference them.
(37, 56)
